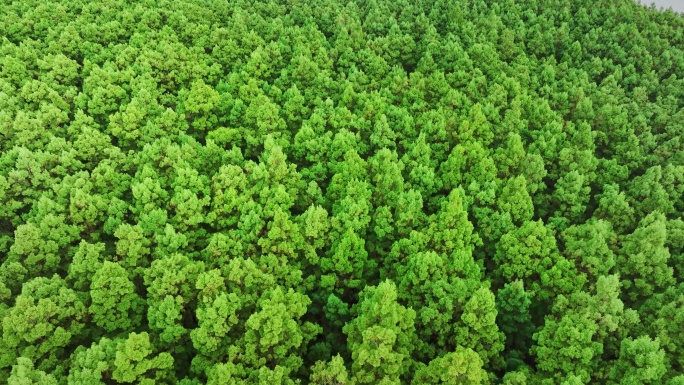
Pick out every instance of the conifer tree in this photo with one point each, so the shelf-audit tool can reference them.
(380, 336)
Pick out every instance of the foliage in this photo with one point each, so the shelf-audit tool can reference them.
(341, 192)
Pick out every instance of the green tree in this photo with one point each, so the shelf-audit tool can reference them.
(23, 373)
(171, 288)
(643, 259)
(275, 336)
(332, 372)
(647, 194)
(641, 361)
(45, 320)
(114, 303)
(463, 366)
(92, 365)
(348, 266)
(579, 330)
(420, 169)
(379, 337)
(566, 347)
(614, 207)
(450, 229)
(199, 103)
(41, 244)
(132, 247)
(438, 288)
(661, 314)
(86, 262)
(215, 313)
(515, 321)
(480, 331)
(590, 246)
(529, 253)
(515, 199)
(133, 361)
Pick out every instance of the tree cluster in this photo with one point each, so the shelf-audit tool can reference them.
(341, 192)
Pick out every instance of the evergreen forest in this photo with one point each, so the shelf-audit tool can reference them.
(341, 192)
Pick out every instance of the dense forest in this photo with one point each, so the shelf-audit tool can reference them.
(341, 192)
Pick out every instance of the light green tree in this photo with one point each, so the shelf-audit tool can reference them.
(379, 337)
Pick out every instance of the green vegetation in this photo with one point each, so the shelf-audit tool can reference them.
(331, 192)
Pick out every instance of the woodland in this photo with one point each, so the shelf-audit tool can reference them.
(341, 192)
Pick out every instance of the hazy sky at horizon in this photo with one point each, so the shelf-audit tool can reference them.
(677, 5)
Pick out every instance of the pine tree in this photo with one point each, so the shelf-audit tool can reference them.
(331, 372)
(114, 303)
(380, 336)
(641, 362)
(643, 259)
(463, 366)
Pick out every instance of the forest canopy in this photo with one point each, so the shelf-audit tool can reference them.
(341, 192)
